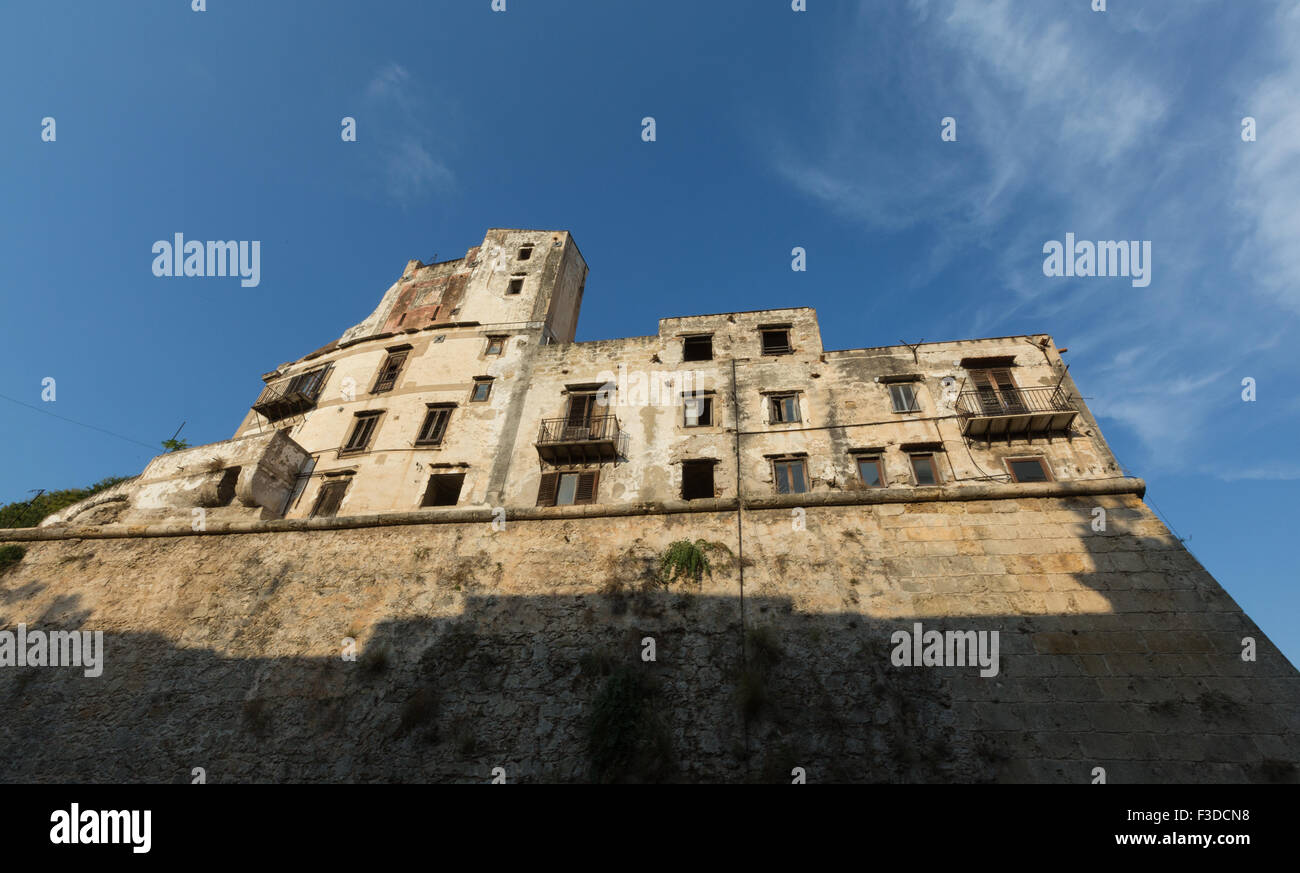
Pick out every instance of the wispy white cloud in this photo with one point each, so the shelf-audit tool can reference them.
(406, 153)
(1076, 121)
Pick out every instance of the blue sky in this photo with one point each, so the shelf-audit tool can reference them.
(775, 129)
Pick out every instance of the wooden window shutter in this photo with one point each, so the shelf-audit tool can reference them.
(586, 490)
(546, 491)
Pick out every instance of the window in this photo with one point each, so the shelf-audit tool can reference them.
(904, 396)
(697, 348)
(329, 498)
(871, 470)
(698, 410)
(516, 285)
(482, 389)
(790, 475)
(784, 407)
(443, 490)
(1029, 470)
(434, 427)
(582, 407)
(697, 480)
(362, 431)
(308, 383)
(997, 392)
(525, 252)
(568, 488)
(924, 469)
(388, 373)
(776, 341)
(495, 345)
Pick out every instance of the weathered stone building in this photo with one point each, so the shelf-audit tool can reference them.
(478, 503)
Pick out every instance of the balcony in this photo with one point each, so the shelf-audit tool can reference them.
(594, 440)
(992, 413)
(291, 396)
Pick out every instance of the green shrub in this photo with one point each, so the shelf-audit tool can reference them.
(687, 559)
(10, 555)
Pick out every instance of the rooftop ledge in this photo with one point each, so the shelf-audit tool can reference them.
(1086, 488)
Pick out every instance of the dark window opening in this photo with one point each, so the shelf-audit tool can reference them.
(904, 398)
(871, 471)
(697, 480)
(785, 408)
(568, 488)
(1028, 470)
(925, 469)
(388, 373)
(329, 498)
(434, 427)
(444, 489)
(481, 391)
(776, 342)
(525, 252)
(791, 476)
(698, 411)
(362, 431)
(697, 348)
(516, 285)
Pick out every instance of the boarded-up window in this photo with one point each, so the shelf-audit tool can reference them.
(444, 489)
(388, 373)
(434, 427)
(566, 488)
(790, 475)
(362, 431)
(582, 407)
(697, 480)
(697, 348)
(329, 498)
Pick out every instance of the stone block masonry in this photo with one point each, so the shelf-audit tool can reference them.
(479, 648)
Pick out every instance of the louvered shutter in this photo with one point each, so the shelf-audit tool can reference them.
(546, 491)
(586, 491)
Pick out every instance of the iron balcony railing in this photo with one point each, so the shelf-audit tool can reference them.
(997, 402)
(602, 428)
(291, 396)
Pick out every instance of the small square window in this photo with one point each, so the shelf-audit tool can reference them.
(697, 348)
(1028, 470)
(481, 391)
(525, 252)
(903, 394)
(443, 490)
(698, 411)
(776, 341)
(784, 408)
(925, 470)
(495, 345)
(790, 475)
(697, 480)
(871, 471)
(516, 285)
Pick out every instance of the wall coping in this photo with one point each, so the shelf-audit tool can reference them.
(485, 515)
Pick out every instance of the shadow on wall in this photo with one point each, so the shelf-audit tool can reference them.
(556, 688)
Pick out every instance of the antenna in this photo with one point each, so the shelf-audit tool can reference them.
(915, 359)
